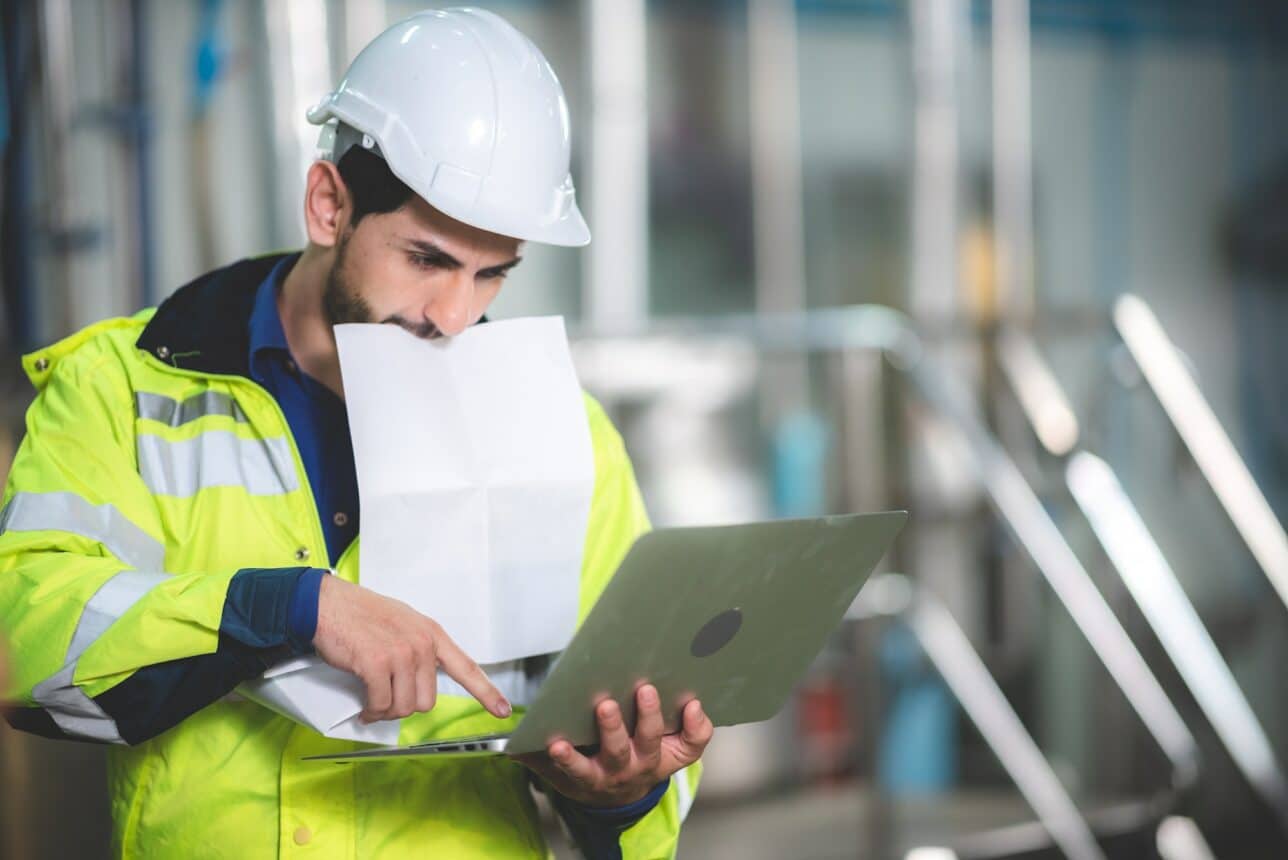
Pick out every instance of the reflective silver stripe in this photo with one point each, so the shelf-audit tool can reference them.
(167, 410)
(68, 705)
(108, 604)
(73, 711)
(218, 458)
(68, 512)
(683, 791)
(518, 680)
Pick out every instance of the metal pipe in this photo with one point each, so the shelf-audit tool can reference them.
(299, 66)
(1179, 838)
(1012, 160)
(966, 675)
(615, 285)
(58, 69)
(141, 150)
(936, 143)
(1210, 446)
(865, 460)
(778, 217)
(949, 649)
(876, 327)
(1154, 586)
(1043, 400)
(1037, 532)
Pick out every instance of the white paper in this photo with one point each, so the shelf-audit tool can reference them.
(322, 697)
(475, 475)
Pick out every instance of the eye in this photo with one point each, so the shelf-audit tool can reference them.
(420, 261)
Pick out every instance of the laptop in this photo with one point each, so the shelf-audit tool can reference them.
(732, 615)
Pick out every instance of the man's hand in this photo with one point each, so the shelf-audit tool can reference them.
(396, 652)
(625, 768)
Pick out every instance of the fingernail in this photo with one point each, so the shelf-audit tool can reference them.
(648, 695)
(503, 709)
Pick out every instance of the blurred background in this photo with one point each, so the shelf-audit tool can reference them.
(1019, 267)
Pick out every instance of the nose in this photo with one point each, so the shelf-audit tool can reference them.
(451, 309)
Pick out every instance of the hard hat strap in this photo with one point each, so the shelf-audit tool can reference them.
(337, 138)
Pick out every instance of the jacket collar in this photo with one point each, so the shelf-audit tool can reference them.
(205, 325)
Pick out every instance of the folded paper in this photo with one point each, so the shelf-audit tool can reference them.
(475, 474)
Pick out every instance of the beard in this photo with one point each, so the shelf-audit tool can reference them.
(343, 303)
(341, 300)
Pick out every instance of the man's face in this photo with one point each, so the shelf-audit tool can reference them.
(417, 268)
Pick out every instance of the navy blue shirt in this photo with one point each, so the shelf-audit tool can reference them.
(314, 413)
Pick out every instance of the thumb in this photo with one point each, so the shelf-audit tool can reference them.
(696, 730)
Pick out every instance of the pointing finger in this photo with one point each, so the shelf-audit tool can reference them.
(467, 673)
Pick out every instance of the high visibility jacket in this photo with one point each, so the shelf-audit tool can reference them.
(152, 472)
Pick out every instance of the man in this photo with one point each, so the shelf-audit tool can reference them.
(187, 483)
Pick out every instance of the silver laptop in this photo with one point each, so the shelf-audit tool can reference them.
(731, 615)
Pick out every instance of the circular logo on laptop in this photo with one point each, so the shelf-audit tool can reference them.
(716, 633)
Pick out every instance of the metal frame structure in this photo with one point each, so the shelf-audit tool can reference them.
(890, 333)
(964, 671)
(869, 327)
(1134, 552)
(1164, 369)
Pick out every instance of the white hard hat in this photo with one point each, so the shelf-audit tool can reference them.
(468, 113)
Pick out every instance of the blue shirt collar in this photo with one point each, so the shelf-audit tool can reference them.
(266, 332)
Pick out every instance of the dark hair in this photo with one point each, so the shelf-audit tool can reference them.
(373, 185)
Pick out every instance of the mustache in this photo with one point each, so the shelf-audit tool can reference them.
(424, 329)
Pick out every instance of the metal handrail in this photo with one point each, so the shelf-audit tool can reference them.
(1164, 370)
(1139, 561)
(958, 663)
(874, 327)
(1154, 586)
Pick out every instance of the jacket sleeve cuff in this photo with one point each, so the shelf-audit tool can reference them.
(625, 816)
(597, 830)
(302, 613)
(257, 609)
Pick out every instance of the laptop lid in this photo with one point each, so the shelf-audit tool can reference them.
(732, 615)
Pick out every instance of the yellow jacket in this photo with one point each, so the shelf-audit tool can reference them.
(156, 516)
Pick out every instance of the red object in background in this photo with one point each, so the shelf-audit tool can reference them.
(826, 730)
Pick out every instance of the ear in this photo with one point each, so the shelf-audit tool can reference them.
(327, 205)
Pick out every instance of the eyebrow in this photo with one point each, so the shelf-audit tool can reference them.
(501, 269)
(441, 259)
